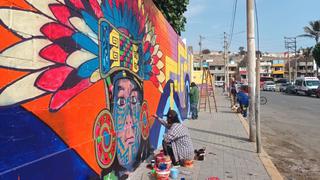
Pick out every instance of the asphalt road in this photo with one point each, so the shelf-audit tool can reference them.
(290, 127)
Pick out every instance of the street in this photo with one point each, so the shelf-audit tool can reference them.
(290, 128)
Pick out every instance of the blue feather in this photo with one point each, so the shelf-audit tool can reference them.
(89, 67)
(90, 21)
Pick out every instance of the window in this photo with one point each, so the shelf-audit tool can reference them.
(219, 68)
(212, 67)
(232, 69)
(298, 82)
(312, 83)
(278, 68)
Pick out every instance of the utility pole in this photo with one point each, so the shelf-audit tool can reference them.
(252, 65)
(257, 103)
(291, 46)
(225, 57)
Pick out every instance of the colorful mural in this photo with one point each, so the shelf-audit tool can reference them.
(79, 81)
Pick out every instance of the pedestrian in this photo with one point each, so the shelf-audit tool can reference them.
(243, 100)
(223, 87)
(194, 98)
(177, 141)
(233, 93)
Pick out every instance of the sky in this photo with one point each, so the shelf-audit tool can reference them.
(276, 19)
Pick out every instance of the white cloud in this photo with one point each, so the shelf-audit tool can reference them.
(193, 10)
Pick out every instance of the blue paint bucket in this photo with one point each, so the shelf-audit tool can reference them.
(174, 173)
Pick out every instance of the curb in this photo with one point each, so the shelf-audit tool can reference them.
(264, 157)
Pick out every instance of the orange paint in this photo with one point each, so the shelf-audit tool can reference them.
(9, 39)
(75, 121)
(20, 4)
(10, 76)
(151, 97)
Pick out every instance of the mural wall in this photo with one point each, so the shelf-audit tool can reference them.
(79, 81)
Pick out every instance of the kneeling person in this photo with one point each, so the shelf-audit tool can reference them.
(177, 141)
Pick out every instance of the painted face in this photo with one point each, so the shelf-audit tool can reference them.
(126, 114)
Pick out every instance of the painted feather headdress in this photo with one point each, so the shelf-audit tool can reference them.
(67, 46)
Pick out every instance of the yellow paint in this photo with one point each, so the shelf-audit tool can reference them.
(115, 50)
(182, 68)
(171, 67)
(171, 96)
(135, 58)
(196, 77)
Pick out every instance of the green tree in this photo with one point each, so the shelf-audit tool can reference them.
(242, 50)
(307, 52)
(173, 11)
(312, 31)
(316, 56)
(206, 51)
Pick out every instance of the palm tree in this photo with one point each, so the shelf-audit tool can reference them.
(312, 31)
(316, 56)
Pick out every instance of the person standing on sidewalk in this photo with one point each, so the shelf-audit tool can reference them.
(233, 92)
(243, 100)
(177, 141)
(194, 98)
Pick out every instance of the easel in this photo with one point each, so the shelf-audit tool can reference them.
(206, 91)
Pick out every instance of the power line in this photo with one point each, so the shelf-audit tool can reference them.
(232, 21)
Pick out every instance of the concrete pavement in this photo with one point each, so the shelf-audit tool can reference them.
(229, 154)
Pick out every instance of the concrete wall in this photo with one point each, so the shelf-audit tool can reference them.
(79, 83)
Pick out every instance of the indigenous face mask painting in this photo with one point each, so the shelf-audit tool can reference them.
(79, 80)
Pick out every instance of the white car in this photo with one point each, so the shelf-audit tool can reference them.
(306, 85)
(269, 86)
(218, 83)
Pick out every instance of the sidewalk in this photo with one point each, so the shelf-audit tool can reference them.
(229, 154)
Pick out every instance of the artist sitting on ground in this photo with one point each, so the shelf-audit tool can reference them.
(177, 141)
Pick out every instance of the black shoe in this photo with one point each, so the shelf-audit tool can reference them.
(176, 164)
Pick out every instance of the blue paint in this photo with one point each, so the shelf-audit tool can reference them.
(88, 68)
(31, 150)
(104, 47)
(147, 55)
(157, 129)
(106, 9)
(106, 138)
(86, 43)
(90, 21)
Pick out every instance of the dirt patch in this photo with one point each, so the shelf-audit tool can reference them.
(294, 161)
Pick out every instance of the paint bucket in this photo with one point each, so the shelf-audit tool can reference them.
(163, 175)
(162, 166)
(174, 173)
(188, 163)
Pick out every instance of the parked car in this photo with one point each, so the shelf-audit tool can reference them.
(283, 87)
(218, 83)
(281, 84)
(290, 89)
(269, 86)
(306, 85)
(318, 92)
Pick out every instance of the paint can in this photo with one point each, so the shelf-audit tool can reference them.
(174, 173)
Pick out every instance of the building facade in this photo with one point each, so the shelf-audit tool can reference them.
(278, 69)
